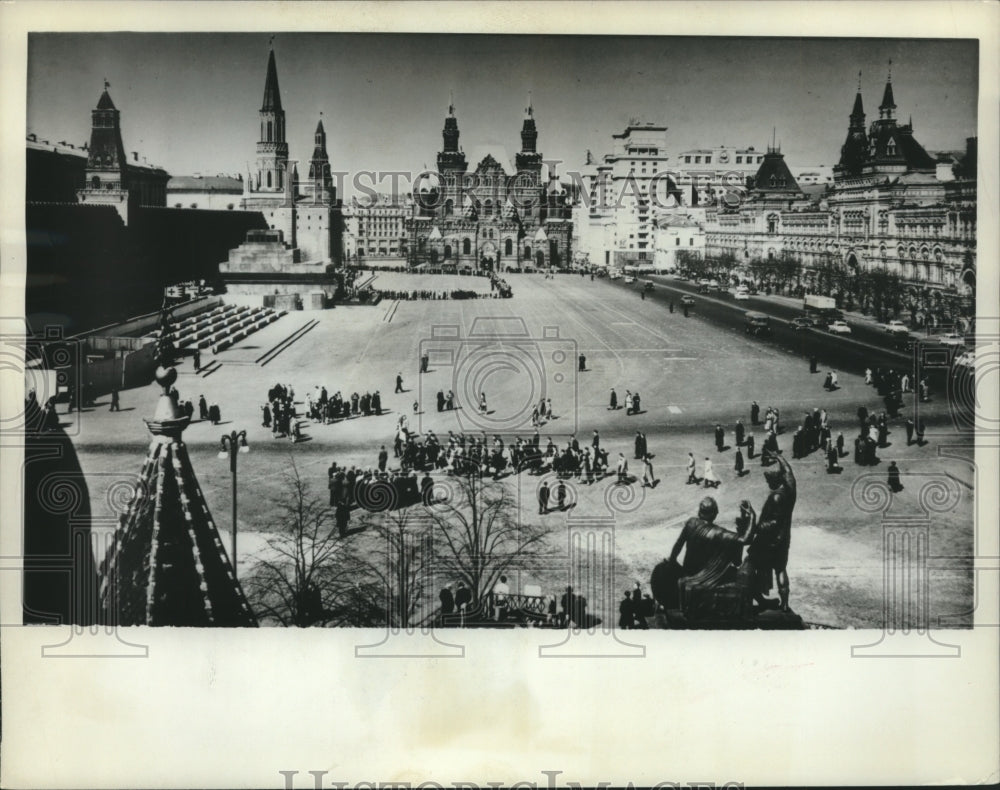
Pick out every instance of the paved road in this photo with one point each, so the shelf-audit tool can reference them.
(867, 345)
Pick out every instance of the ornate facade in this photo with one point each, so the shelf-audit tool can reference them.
(886, 208)
(494, 217)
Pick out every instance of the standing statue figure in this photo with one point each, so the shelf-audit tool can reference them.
(769, 541)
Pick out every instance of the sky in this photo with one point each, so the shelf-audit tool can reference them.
(190, 102)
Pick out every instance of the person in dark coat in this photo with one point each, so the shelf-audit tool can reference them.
(626, 611)
(740, 433)
(739, 462)
(636, 407)
(561, 495)
(754, 413)
(440, 400)
(202, 408)
(266, 408)
(543, 498)
(447, 599)
(909, 432)
(214, 414)
(831, 460)
(115, 404)
(596, 441)
(750, 446)
(399, 382)
(638, 445)
(197, 360)
(343, 517)
(614, 400)
(720, 438)
(383, 459)
(893, 478)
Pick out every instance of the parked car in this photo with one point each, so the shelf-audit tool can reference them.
(803, 322)
(840, 328)
(742, 294)
(614, 275)
(687, 299)
(629, 279)
(897, 327)
(952, 339)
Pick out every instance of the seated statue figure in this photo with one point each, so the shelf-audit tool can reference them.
(708, 586)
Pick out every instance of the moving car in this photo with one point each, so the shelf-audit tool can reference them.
(629, 279)
(687, 299)
(952, 339)
(758, 324)
(803, 322)
(742, 294)
(840, 328)
(615, 275)
(897, 327)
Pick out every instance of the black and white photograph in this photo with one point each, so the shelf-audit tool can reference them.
(611, 344)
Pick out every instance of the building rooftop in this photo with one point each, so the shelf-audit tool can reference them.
(226, 184)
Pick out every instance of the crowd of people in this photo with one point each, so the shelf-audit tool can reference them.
(416, 294)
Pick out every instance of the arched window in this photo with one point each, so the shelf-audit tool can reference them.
(466, 246)
(527, 252)
(447, 252)
(774, 181)
(508, 247)
(890, 149)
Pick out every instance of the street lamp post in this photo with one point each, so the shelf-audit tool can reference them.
(231, 444)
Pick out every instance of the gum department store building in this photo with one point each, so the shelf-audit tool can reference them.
(886, 208)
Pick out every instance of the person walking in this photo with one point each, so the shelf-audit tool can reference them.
(383, 459)
(738, 466)
(692, 477)
(750, 446)
(754, 413)
(202, 408)
(909, 432)
(720, 437)
(893, 478)
(399, 383)
(622, 468)
(561, 495)
(197, 360)
(638, 446)
(115, 404)
(613, 406)
(596, 441)
(708, 475)
(628, 403)
(648, 478)
(740, 433)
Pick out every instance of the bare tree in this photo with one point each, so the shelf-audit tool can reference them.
(304, 581)
(478, 536)
(393, 572)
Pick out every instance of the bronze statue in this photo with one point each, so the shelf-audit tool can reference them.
(767, 554)
(715, 587)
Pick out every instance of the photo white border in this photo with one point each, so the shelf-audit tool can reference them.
(214, 708)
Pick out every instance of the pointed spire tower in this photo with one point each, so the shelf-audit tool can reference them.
(107, 167)
(451, 165)
(320, 178)
(167, 565)
(855, 148)
(529, 188)
(887, 108)
(272, 149)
